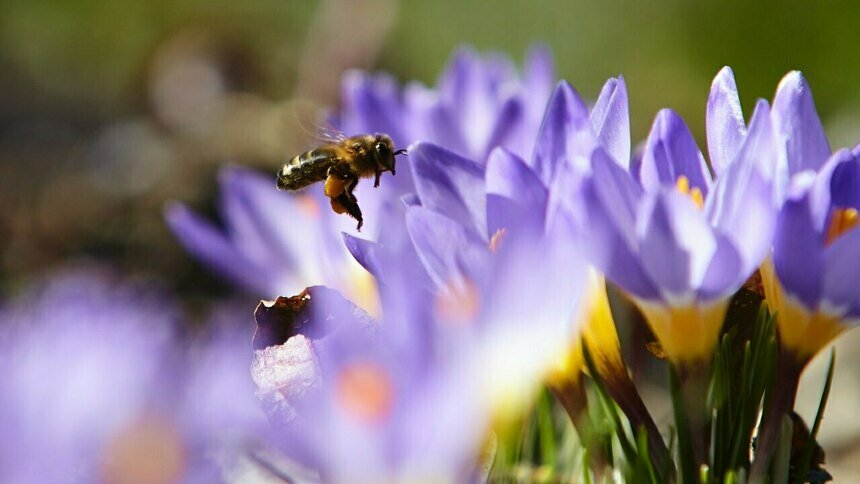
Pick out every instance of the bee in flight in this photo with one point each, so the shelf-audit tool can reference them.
(341, 163)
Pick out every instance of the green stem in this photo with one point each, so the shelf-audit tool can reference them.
(779, 403)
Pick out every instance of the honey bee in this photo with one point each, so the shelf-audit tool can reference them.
(341, 163)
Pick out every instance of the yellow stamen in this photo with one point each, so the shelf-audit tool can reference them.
(682, 184)
(843, 220)
(365, 391)
(801, 331)
(687, 333)
(458, 302)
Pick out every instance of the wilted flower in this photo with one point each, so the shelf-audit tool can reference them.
(94, 389)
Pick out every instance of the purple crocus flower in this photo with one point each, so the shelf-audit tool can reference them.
(815, 257)
(679, 243)
(815, 190)
(94, 388)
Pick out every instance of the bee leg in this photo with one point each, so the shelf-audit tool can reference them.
(350, 187)
(376, 180)
(335, 183)
(347, 202)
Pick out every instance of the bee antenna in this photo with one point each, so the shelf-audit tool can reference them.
(400, 152)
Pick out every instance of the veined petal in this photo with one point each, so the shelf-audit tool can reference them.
(514, 192)
(443, 245)
(367, 253)
(618, 194)
(450, 184)
(610, 119)
(565, 135)
(797, 122)
(677, 244)
(724, 120)
(798, 251)
(727, 271)
(670, 153)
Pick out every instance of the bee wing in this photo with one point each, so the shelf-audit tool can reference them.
(315, 123)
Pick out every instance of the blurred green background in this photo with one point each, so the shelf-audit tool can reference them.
(109, 109)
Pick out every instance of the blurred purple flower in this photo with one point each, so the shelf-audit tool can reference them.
(274, 243)
(94, 388)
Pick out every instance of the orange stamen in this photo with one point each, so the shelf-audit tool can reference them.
(844, 219)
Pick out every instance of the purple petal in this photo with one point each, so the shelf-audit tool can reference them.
(670, 153)
(618, 194)
(443, 245)
(514, 192)
(467, 89)
(726, 272)
(207, 244)
(610, 120)
(798, 251)
(450, 184)
(724, 120)
(797, 122)
(509, 123)
(367, 253)
(845, 179)
(372, 105)
(842, 272)
(676, 243)
(565, 135)
(741, 205)
(539, 74)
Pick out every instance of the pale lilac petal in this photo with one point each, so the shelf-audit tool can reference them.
(676, 243)
(466, 88)
(618, 194)
(514, 192)
(724, 120)
(209, 245)
(443, 245)
(539, 74)
(450, 184)
(372, 105)
(741, 205)
(797, 251)
(797, 122)
(509, 123)
(565, 135)
(670, 153)
(367, 253)
(727, 271)
(610, 119)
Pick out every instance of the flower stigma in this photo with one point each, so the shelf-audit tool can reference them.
(365, 391)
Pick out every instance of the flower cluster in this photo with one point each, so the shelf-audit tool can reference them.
(472, 331)
(494, 254)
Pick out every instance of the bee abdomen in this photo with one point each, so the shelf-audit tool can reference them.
(305, 169)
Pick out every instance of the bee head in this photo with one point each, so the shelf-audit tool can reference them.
(385, 153)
